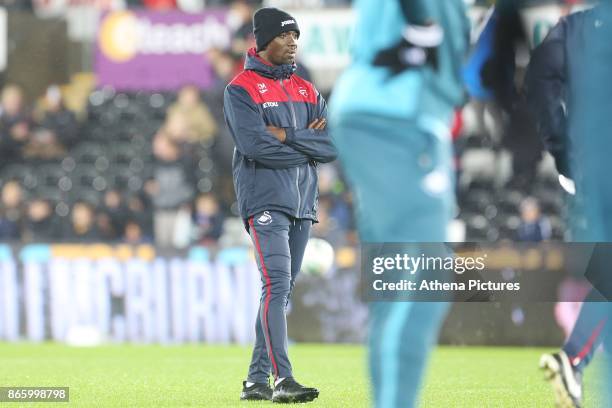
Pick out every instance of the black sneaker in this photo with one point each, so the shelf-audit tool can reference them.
(290, 391)
(256, 392)
(565, 380)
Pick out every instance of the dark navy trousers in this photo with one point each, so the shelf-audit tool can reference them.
(279, 242)
(587, 334)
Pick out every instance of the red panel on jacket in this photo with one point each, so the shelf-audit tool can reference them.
(262, 89)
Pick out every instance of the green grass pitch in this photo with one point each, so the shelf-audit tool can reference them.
(210, 376)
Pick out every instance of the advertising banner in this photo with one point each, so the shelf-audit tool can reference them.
(83, 294)
(92, 294)
(140, 50)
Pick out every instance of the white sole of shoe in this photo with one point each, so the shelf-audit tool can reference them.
(552, 373)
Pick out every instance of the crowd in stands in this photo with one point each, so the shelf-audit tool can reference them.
(137, 167)
(156, 167)
(48, 136)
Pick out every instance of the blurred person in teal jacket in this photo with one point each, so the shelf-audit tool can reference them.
(390, 114)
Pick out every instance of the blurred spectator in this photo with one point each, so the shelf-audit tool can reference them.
(11, 211)
(139, 209)
(341, 211)
(40, 225)
(57, 128)
(534, 227)
(105, 227)
(83, 226)
(240, 19)
(112, 216)
(172, 189)
(328, 227)
(15, 123)
(207, 220)
(333, 189)
(226, 67)
(133, 233)
(176, 128)
(189, 119)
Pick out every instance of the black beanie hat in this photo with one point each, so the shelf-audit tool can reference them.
(268, 22)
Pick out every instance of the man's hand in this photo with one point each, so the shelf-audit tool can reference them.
(278, 133)
(318, 124)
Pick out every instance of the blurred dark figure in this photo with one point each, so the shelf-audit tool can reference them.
(82, 226)
(240, 19)
(207, 220)
(189, 119)
(15, 124)
(57, 118)
(40, 225)
(112, 216)
(57, 128)
(327, 227)
(133, 233)
(105, 227)
(172, 188)
(504, 77)
(139, 209)
(333, 189)
(534, 227)
(11, 211)
(226, 67)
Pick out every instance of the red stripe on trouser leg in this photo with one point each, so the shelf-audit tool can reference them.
(589, 344)
(268, 296)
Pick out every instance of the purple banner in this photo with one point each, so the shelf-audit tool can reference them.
(141, 50)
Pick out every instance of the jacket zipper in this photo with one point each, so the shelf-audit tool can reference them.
(297, 178)
(290, 103)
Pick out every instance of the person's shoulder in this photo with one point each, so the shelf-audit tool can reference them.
(259, 89)
(245, 82)
(244, 79)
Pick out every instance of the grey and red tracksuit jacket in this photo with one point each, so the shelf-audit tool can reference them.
(268, 174)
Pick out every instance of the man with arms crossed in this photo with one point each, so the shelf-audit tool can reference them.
(278, 123)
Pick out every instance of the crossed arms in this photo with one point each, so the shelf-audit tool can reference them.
(271, 146)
